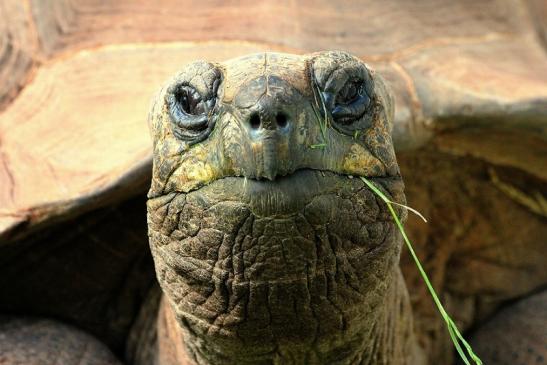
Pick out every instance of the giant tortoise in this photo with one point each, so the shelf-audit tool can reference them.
(267, 245)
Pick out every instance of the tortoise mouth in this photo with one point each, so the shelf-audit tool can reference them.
(290, 194)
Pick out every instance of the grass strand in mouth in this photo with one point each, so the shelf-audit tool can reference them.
(453, 331)
(323, 121)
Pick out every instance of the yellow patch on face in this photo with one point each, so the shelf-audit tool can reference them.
(359, 161)
(194, 170)
(203, 173)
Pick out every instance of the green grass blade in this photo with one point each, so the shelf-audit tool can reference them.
(323, 122)
(453, 331)
(319, 145)
(457, 345)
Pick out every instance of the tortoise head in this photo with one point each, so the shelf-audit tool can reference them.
(266, 242)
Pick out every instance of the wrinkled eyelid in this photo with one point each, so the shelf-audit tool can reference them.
(204, 80)
(346, 73)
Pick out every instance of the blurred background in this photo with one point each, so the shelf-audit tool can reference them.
(77, 77)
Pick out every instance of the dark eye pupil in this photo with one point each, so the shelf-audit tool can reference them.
(349, 93)
(352, 91)
(189, 102)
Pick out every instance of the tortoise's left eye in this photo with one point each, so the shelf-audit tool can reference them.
(351, 102)
(346, 88)
(349, 92)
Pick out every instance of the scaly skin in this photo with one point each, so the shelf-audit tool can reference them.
(266, 248)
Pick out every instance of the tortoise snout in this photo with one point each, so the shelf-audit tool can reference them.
(270, 120)
(268, 107)
(269, 130)
(267, 104)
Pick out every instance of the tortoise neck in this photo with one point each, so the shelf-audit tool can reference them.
(390, 341)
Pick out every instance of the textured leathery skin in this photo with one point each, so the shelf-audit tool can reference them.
(254, 286)
(268, 249)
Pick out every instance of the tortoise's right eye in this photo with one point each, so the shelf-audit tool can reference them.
(191, 112)
(189, 101)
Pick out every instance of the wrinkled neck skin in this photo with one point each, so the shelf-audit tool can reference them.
(390, 342)
(245, 284)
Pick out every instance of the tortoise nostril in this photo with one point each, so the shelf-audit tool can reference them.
(281, 120)
(255, 121)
